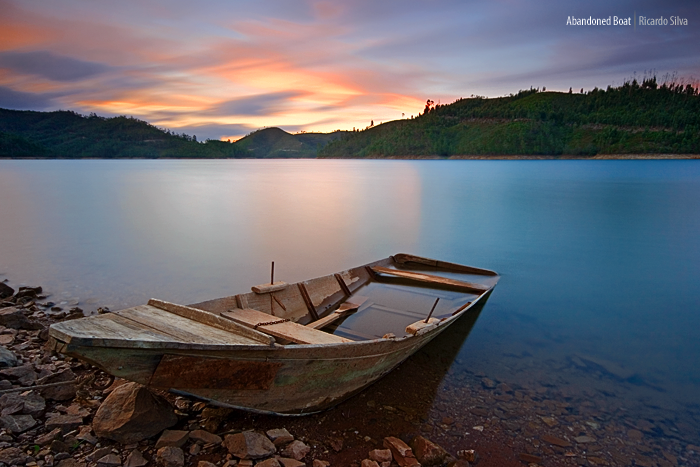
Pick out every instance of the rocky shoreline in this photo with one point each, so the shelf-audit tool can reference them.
(59, 412)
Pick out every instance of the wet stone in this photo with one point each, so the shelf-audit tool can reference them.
(530, 458)
(584, 439)
(488, 383)
(555, 441)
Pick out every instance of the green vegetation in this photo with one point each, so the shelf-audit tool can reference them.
(634, 118)
(66, 134)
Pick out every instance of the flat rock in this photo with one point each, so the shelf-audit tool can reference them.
(402, 453)
(296, 450)
(381, 455)
(249, 445)
(554, 440)
(63, 392)
(47, 438)
(132, 413)
(289, 462)
(65, 422)
(584, 439)
(24, 375)
(176, 438)
(17, 423)
(271, 462)
(7, 358)
(369, 463)
(205, 437)
(170, 456)
(427, 452)
(279, 436)
(12, 317)
(530, 458)
(110, 460)
(34, 405)
(11, 404)
(607, 366)
(205, 464)
(320, 463)
(488, 383)
(70, 462)
(10, 454)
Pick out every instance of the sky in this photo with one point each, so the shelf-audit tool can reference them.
(222, 69)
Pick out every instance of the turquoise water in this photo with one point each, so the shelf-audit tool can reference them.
(600, 260)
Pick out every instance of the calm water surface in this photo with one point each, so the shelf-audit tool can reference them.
(600, 260)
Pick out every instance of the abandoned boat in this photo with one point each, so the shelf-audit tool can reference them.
(286, 349)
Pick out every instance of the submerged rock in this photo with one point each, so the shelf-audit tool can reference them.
(132, 413)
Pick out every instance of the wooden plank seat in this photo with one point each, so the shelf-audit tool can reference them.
(432, 279)
(343, 310)
(281, 328)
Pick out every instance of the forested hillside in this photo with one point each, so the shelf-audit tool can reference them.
(630, 119)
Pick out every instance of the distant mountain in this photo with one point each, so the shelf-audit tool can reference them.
(277, 143)
(631, 119)
(66, 134)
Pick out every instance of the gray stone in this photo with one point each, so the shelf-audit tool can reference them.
(176, 438)
(205, 437)
(7, 358)
(280, 436)
(45, 439)
(98, 453)
(135, 459)
(59, 393)
(65, 422)
(24, 375)
(9, 454)
(170, 456)
(132, 413)
(110, 460)
(296, 449)
(17, 423)
(11, 403)
(34, 405)
(249, 445)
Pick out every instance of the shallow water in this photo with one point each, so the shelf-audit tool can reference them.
(600, 260)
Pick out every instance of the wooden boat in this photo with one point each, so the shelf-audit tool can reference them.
(283, 348)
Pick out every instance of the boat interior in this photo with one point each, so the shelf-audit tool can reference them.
(392, 297)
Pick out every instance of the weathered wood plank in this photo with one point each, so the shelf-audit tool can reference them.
(343, 310)
(183, 329)
(211, 319)
(307, 301)
(267, 288)
(342, 284)
(431, 279)
(285, 330)
(403, 258)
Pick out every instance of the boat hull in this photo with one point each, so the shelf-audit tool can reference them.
(282, 380)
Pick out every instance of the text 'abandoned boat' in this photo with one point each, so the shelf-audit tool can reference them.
(283, 348)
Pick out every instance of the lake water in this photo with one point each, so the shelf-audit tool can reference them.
(600, 260)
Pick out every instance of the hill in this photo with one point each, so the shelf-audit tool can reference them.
(67, 134)
(631, 119)
(277, 143)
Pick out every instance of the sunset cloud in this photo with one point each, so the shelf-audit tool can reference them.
(222, 69)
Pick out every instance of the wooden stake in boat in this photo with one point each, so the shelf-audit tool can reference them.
(272, 281)
(432, 309)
